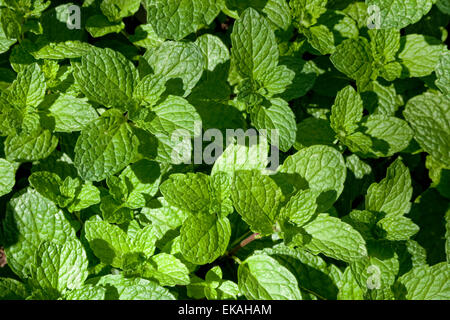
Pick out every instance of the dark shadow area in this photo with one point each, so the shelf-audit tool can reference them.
(146, 171)
(103, 250)
(429, 213)
(290, 183)
(310, 278)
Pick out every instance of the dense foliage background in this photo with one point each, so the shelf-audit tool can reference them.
(93, 204)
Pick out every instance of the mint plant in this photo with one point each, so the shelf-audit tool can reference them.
(224, 149)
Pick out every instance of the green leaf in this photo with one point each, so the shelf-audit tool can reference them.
(54, 266)
(261, 277)
(189, 192)
(106, 77)
(300, 208)
(174, 122)
(99, 26)
(242, 156)
(313, 274)
(256, 198)
(320, 38)
(142, 179)
(108, 242)
(86, 195)
(399, 13)
(397, 228)
(61, 50)
(312, 131)
(429, 116)
(385, 44)
(163, 216)
(277, 80)
(279, 121)
(335, 239)
(354, 58)
(254, 49)
(443, 73)
(307, 12)
(86, 293)
(12, 289)
(30, 219)
(114, 211)
(381, 99)
(8, 177)
(392, 195)
(204, 237)
(115, 10)
(105, 146)
(144, 241)
(221, 202)
(376, 272)
(381, 136)
(30, 146)
(150, 89)
(347, 111)
(304, 79)
(167, 270)
(48, 184)
(120, 288)
(70, 113)
(425, 283)
(419, 55)
(29, 87)
(146, 37)
(349, 288)
(176, 19)
(214, 50)
(319, 168)
(5, 43)
(276, 11)
(178, 60)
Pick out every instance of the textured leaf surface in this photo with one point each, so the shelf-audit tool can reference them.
(178, 18)
(420, 55)
(106, 77)
(429, 116)
(254, 49)
(175, 121)
(347, 111)
(179, 60)
(353, 57)
(8, 177)
(168, 270)
(71, 113)
(392, 195)
(30, 219)
(443, 73)
(29, 87)
(30, 146)
(279, 120)
(319, 168)
(120, 288)
(425, 283)
(261, 277)
(400, 13)
(105, 146)
(204, 237)
(108, 242)
(190, 192)
(60, 267)
(335, 239)
(256, 198)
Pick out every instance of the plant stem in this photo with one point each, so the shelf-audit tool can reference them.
(243, 243)
(242, 237)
